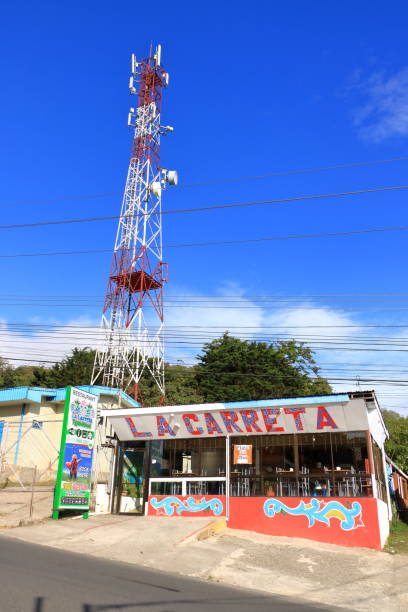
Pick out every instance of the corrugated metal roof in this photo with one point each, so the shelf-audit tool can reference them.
(36, 394)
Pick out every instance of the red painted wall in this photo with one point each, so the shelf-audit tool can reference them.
(360, 522)
(189, 505)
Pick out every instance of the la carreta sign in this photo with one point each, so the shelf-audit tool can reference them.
(190, 422)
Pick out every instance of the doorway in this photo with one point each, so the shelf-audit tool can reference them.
(130, 490)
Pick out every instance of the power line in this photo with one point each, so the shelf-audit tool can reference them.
(214, 181)
(205, 208)
(215, 243)
(195, 299)
(297, 171)
(225, 307)
(220, 327)
(309, 376)
(215, 297)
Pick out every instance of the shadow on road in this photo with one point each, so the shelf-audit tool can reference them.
(39, 604)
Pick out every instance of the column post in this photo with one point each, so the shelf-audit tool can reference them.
(371, 463)
(227, 477)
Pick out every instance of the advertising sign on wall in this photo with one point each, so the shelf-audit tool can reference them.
(73, 485)
(242, 454)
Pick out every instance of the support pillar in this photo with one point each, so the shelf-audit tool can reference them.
(227, 477)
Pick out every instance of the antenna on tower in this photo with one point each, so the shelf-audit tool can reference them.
(158, 55)
(133, 317)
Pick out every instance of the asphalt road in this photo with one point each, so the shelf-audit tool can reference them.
(41, 579)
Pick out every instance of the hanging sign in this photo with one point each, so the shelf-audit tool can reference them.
(242, 454)
(73, 485)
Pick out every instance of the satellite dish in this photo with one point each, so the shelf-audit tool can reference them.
(172, 177)
(155, 188)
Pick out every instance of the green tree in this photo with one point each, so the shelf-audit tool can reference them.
(6, 374)
(231, 369)
(76, 369)
(24, 376)
(181, 387)
(396, 446)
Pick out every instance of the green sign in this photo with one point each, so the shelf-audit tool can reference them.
(73, 485)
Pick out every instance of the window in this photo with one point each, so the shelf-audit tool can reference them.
(188, 457)
(319, 464)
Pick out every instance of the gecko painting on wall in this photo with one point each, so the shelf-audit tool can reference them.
(192, 505)
(319, 510)
(343, 521)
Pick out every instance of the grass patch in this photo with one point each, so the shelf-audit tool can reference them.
(397, 542)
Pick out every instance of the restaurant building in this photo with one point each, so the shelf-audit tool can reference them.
(309, 467)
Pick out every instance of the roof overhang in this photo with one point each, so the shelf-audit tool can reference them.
(277, 416)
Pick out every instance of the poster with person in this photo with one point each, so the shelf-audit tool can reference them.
(73, 484)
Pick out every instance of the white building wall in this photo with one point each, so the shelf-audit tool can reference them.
(383, 521)
(376, 424)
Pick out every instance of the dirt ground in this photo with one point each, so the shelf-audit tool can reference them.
(15, 505)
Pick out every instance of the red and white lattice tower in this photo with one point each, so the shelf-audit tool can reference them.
(132, 319)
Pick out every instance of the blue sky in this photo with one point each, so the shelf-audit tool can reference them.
(254, 89)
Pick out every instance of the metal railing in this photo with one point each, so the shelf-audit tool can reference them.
(274, 485)
(203, 485)
(303, 485)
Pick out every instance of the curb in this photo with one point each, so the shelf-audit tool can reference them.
(218, 525)
(24, 523)
(205, 532)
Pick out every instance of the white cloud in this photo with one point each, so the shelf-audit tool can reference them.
(385, 112)
(201, 323)
(46, 341)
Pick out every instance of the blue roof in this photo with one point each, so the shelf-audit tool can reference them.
(37, 394)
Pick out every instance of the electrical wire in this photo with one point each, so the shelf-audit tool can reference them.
(297, 171)
(232, 307)
(206, 208)
(220, 327)
(222, 297)
(214, 181)
(215, 243)
(402, 382)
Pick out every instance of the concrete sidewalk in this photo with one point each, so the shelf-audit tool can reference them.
(359, 579)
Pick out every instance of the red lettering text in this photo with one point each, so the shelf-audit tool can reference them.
(269, 416)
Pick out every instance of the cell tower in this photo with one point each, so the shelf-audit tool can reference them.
(132, 318)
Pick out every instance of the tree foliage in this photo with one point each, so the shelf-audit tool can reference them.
(76, 369)
(228, 369)
(396, 446)
(181, 387)
(231, 369)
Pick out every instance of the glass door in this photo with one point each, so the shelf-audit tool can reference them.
(131, 480)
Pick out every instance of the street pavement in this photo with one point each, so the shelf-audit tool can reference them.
(38, 578)
(358, 579)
